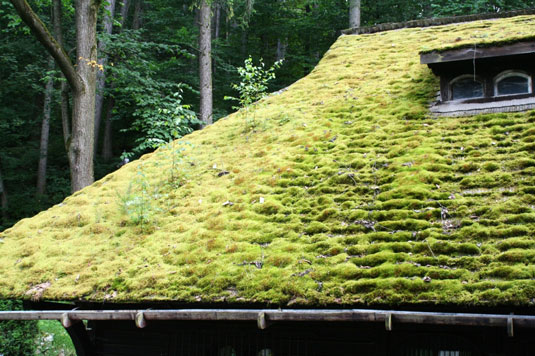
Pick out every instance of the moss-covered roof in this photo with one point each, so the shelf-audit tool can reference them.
(347, 192)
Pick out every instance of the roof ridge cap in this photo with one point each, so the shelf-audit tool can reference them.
(429, 22)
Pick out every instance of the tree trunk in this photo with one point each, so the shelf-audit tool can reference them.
(227, 26)
(244, 42)
(107, 146)
(217, 20)
(107, 24)
(107, 149)
(45, 130)
(81, 146)
(81, 78)
(216, 28)
(124, 12)
(137, 22)
(205, 63)
(65, 117)
(354, 14)
(3, 197)
(282, 45)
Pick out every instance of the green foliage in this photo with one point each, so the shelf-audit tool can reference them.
(459, 7)
(141, 91)
(254, 81)
(16, 337)
(161, 120)
(53, 340)
(253, 85)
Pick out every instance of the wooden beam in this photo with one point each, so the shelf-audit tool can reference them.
(274, 315)
(474, 52)
(435, 22)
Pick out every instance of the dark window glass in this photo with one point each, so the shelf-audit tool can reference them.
(227, 351)
(466, 88)
(429, 352)
(514, 84)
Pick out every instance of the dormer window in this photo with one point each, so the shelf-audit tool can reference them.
(483, 79)
(512, 83)
(466, 87)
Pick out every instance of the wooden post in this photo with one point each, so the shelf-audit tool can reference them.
(261, 321)
(388, 322)
(510, 331)
(141, 322)
(66, 321)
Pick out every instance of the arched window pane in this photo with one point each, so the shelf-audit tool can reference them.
(466, 88)
(514, 84)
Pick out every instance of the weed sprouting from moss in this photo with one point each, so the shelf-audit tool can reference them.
(178, 169)
(138, 202)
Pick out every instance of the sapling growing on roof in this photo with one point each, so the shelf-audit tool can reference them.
(138, 202)
(160, 120)
(253, 86)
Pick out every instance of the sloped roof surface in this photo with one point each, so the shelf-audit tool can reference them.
(347, 192)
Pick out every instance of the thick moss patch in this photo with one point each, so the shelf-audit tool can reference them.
(346, 192)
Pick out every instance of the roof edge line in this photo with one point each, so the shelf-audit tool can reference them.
(274, 315)
(429, 22)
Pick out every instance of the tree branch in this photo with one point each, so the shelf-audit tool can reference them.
(42, 34)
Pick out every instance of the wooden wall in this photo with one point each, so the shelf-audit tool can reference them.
(119, 338)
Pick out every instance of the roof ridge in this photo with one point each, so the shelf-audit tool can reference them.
(429, 22)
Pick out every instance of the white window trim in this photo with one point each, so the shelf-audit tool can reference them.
(461, 77)
(511, 73)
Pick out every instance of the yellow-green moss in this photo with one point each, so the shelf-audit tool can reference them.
(347, 192)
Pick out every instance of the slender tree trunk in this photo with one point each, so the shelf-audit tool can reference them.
(107, 149)
(282, 45)
(3, 197)
(45, 130)
(107, 142)
(354, 13)
(124, 13)
(107, 26)
(244, 42)
(227, 27)
(65, 116)
(205, 63)
(216, 26)
(137, 22)
(217, 20)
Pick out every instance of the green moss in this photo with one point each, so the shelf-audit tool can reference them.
(357, 186)
(316, 228)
